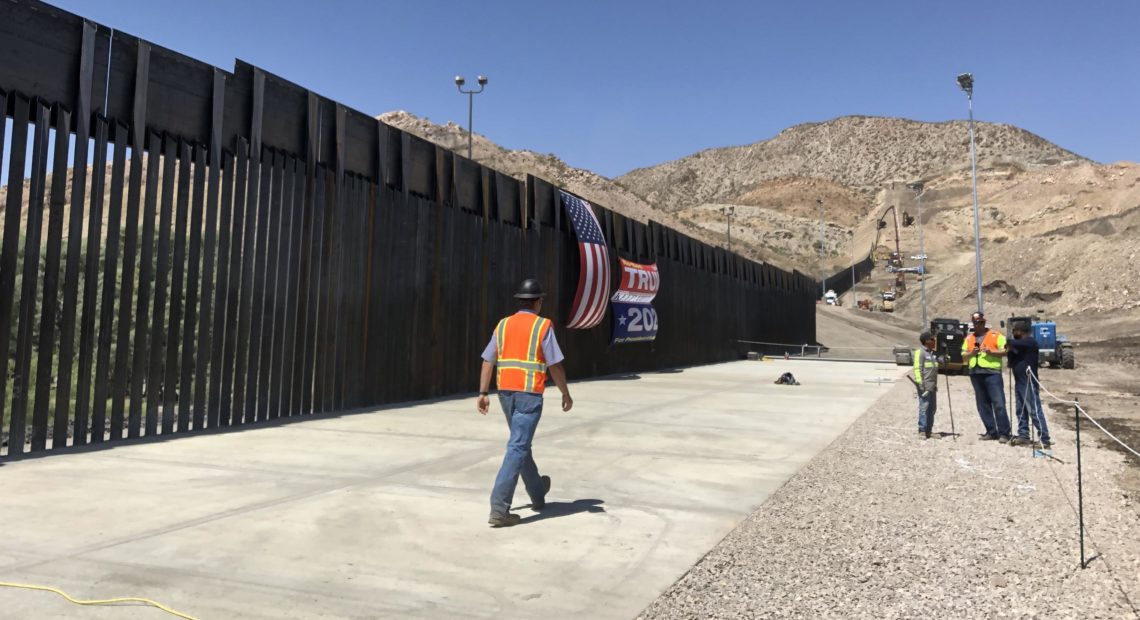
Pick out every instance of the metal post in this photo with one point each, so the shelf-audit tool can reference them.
(922, 253)
(459, 82)
(728, 212)
(1031, 406)
(977, 225)
(1010, 404)
(470, 127)
(822, 277)
(950, 405)
(1080, 484)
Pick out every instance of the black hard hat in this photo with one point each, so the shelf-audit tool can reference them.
(530, 289)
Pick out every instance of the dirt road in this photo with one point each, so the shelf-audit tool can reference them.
(858, 334)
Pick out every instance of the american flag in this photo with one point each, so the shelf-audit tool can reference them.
(594, 277)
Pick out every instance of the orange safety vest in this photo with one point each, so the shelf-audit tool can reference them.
(989, 341)
(521, 363)
(992, 341)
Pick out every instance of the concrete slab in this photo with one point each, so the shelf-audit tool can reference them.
(383, 514)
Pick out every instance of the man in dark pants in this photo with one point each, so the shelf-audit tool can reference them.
(524, 349)
(926, 379)
(1023, 361)
(982, 350)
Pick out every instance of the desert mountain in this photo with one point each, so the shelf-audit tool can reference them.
(860, 153)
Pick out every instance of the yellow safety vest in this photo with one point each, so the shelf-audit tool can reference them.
(918, 357)
(992, 340)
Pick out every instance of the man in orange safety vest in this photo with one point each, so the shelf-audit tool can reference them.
(982, 351)
(522, 350)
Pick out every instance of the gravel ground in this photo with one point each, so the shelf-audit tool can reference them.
(883, 524)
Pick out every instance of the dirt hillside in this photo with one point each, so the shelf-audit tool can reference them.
(857, 152)
(1064, 239)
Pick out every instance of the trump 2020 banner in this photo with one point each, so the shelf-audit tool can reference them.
(635, 320)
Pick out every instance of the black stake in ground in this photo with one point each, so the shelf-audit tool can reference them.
(950, 406)
(1009, 401)
(1080, 483)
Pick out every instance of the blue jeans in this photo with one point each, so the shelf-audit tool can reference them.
(1029, 405)
(989, 392)
(927, 405)
(523, 411)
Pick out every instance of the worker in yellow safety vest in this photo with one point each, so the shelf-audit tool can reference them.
(926, 380)
(522, 351)
(982, 350)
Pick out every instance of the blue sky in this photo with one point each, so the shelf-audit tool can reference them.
(613, 86)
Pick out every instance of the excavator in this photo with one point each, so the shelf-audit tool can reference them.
(894, 259)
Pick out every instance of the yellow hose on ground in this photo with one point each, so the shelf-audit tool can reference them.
(110, 601)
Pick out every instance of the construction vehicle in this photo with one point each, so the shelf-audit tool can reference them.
(949, 334)
(888, 301)
(1055, 349)
(830, 298)
(894, 259)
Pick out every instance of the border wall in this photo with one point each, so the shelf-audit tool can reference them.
(229, 247)
(845, 279)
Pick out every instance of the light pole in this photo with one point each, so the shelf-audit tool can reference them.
(728, 213)
(966, 83)
(917, 187)
(459, 82)
(822, 277)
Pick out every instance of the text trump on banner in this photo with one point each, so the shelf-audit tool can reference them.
(635, 320)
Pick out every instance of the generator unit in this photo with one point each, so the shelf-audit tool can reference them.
(1055, 348)
(949, 334)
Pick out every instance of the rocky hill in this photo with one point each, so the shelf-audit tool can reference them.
(860, 153)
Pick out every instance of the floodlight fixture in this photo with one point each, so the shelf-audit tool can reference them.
(459, 82)
(966, 83)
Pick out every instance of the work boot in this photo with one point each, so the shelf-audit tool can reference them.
(539, 504)
(1019, 441)
(926, 434)
(506, 520)
(987, 437)
(1046, 445)
(1003, 439)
